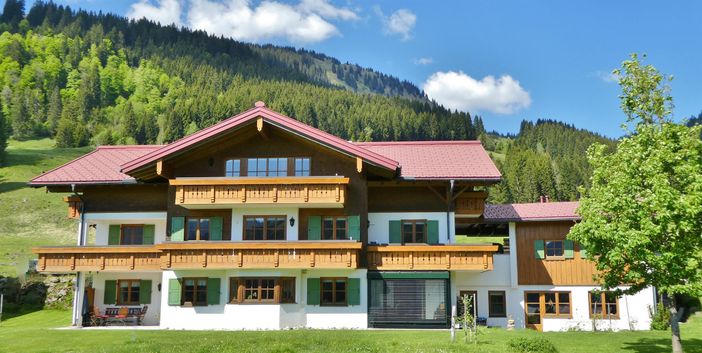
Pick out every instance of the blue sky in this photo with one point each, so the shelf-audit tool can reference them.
(549, 59)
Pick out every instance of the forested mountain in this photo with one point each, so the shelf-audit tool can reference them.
(85, 78)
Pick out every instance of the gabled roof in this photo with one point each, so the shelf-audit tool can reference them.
(464, 160)
(270, 117)
(101, 166)
(523, 212)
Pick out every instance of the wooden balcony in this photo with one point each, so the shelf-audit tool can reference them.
(202, 255)
(431, 257)
(99, 258)
(470, 204)
(317, 191)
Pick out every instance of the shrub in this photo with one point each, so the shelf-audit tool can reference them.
(660, 319)
(537, 344)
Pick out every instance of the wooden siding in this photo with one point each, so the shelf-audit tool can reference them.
(431, 257)
(575, 271)
(201, 255)
(470, 204)
(410, 198)
(265, 190)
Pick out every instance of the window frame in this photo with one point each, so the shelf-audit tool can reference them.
(237, 288)
(542, 298)
(198, 301)
(294, 166)
(334, 290)
(131, 301)
(334, 227)
(603, 305)
(265, 227)
(197, 231)
(554, 257)
(504, 303)
(121, 233)
(233, 160)
(414, 230)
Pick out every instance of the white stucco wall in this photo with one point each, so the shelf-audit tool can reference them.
(153, 312)
(227, 316)
(102, 222)
(379, 230)
(238, 214)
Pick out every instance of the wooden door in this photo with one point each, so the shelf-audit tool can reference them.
(534, 310)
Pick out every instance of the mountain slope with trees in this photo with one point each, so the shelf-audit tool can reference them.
(93, 79)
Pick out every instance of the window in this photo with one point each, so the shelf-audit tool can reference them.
(302, 167)
(264, 227)
(232, 168)
(414, 231)
(267, 167)
(194, 291)
(333, 291)
(198, 229)
(556, 304)
(128, 291)
(554, 249)
(251, 290)
(131, 234)
(604, 305)
(334, 228)
(497, 304)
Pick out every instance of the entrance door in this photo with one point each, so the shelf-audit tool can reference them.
(533, 310)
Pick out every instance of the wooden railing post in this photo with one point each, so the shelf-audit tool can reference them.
(204, 258)
(73, 262)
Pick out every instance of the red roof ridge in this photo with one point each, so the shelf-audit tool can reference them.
(272, 117)
(420, 143)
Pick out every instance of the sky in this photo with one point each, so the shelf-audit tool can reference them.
(506, 61)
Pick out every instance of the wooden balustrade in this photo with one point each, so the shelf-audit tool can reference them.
(98, 258)
(470, 204)
(261, 190)
(431, 257)
(201, 255)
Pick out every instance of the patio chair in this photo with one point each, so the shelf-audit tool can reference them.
(142, 313)
(97, 319)
(118, 315)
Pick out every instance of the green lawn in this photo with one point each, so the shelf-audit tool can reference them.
(466, 239)
(31, 217)
(32, 333)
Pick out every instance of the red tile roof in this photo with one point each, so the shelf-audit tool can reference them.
(101, 166)
(542, 211)
(438, 159)
(268, 116)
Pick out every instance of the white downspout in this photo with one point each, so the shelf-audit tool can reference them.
(78, 284)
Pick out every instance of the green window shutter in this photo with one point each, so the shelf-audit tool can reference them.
(213, 291)
(177, 228)
(110, 292)
(313, 291)
(354, 227)
(145, 291)
(314, 228)
(173, 291)
(433, 232)
(114, 235)
(539, 249)
(583, 252)
(215, 228)
(568, 249)
(354, 291)
(149, 231)
(395, 232)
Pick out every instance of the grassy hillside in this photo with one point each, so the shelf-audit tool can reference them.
(29, 216)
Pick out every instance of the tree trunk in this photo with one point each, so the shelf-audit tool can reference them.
(675, 315)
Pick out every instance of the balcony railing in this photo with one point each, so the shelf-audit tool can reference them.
(431, 257)
(329, 191)
(201, 255)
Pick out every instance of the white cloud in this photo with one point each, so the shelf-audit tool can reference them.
(305, 22)
(608, 77)
(456, 90)
(327, 10)
(400, 22)
(423, 61)
(165, 13)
